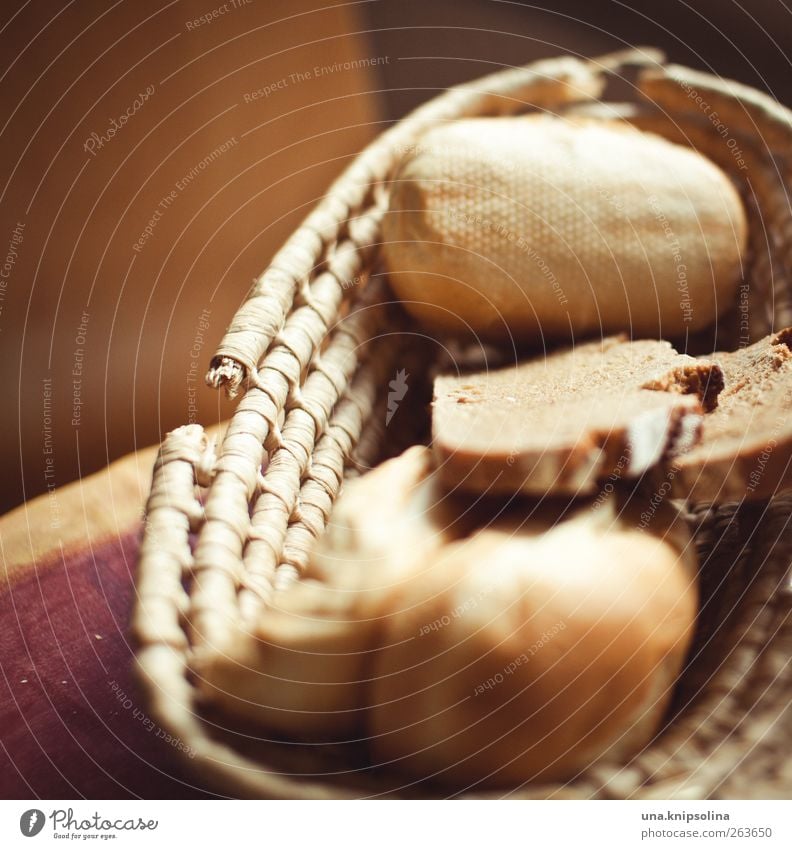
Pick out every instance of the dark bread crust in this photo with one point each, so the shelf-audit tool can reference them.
(745, 451)
(565, 422)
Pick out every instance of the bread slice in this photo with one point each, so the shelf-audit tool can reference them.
(565, 422)
(745, 450)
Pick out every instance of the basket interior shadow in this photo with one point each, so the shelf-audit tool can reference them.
(314, 348)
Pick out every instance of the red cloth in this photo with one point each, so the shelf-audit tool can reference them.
(72, 723)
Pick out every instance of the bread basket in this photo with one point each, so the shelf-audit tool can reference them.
(313, 349)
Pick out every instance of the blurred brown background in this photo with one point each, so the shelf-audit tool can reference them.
(155, 154)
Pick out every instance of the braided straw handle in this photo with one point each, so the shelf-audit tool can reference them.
(310, 346)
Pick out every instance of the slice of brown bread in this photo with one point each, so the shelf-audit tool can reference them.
(565, 422)
(745, 449)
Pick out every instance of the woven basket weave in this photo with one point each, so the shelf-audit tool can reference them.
(313, 348)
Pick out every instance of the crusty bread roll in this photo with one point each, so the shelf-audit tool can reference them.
(403, 611)
(535, 648)
(546, 228)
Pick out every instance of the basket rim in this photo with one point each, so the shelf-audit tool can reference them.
(336, 243)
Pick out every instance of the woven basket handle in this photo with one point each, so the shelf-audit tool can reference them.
(185, 458)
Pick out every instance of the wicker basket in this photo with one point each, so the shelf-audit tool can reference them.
(313, 348)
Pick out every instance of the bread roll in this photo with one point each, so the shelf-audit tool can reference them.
(533, 649)
(541, 228)
(405, 615)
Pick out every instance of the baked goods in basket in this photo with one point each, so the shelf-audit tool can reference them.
(562, 423)
(496, 642)
(543, 228)
(455, 650)
(718, 428)
(255, 524)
